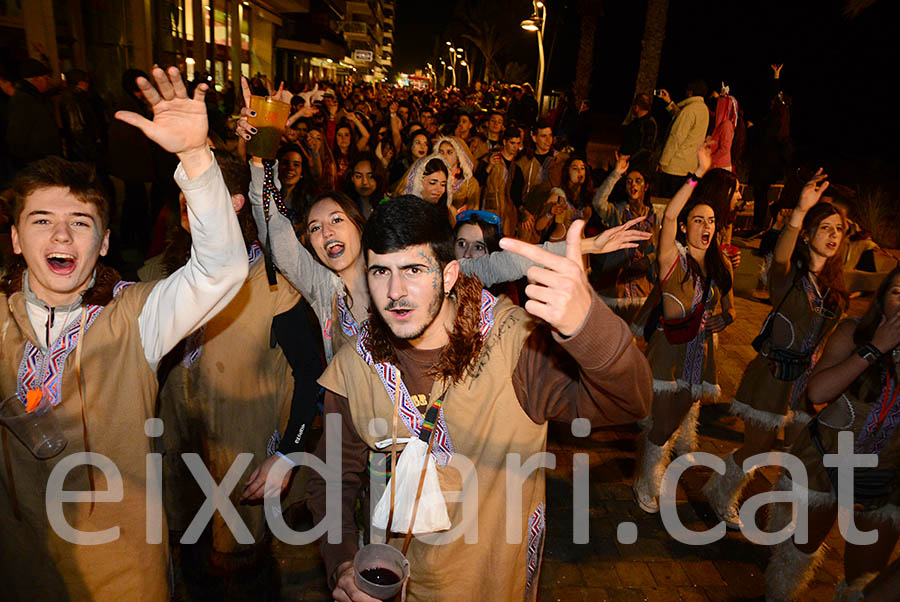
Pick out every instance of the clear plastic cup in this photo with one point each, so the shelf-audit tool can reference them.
(380, 570)
(38, 430)
(270, 120)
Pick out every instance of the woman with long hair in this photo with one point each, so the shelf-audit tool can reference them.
(292, 170)
(681, 351)
(347, 143)
(415, 150)
(365, 182)
(567, 203)
(807, 291)
(321, 162)
(428, 179)
(857, 376)
(463, 185)
(626, 278)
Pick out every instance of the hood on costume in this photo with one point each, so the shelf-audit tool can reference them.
(726, 110)
(464, 155)
(417, 173)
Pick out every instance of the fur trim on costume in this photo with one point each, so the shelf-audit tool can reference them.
(815, 499)
(799, 417)
(886, 514)
(705, 392)
(854, 591)
(723, 491)
(617, 302)
(766, 420)
(101, 291)
(652, 462)
(637, 329)
(790, 570)
(666, 386)
(685, 439)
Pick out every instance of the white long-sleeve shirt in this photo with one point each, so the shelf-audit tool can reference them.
(194, 293)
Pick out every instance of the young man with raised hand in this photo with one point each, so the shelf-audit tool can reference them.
(75, 334)
(501, 373)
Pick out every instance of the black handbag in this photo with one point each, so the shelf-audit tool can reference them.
(872, 487)
(784, 364)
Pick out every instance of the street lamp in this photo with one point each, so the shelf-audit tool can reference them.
(452, 52)
(536, 23)
(443, 72)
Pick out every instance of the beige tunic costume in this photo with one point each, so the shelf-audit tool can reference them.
(230, 394)
(113, 337)
(687, 366)
(119, 395)
(482, 420)
(800, 325)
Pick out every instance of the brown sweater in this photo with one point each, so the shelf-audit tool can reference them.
(602, 376)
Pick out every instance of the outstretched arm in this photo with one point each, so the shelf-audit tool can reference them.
(605, 211)
(218, 266)
(613, 385)
(787, 240)
(668, 252)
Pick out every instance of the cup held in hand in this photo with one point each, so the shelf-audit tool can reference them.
(38, 430)
(271, 117)
(380, 570)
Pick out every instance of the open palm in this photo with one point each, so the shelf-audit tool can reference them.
(179, 123)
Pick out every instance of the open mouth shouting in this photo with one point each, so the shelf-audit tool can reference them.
(334, 249)
(831, 246)
(61, 264)
(400, 311)
(705, 238)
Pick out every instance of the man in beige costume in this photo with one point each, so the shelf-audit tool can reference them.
(501, 375)
(74, 333)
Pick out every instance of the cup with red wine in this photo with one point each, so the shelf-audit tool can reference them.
(380, 570)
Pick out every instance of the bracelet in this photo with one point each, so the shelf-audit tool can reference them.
(869, 352)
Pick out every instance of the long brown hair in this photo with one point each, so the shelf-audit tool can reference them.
(870, 380)
(831, 277)
(716, 189)
(715, 261)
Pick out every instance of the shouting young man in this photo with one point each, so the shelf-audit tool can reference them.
(495, 373)
(77, 338)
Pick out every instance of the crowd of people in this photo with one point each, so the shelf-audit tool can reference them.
(435, 266)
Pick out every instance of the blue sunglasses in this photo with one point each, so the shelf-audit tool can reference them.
(486, 216)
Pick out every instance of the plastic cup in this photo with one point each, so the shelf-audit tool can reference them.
(38, 430)
(380, 570)
(271, 116)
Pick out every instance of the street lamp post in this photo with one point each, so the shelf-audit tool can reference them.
(536, 24)
(443, 73)
(465, 63)
(452, 51)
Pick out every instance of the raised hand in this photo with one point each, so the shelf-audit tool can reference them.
(704, 156)
(559, 292)
(179, 123)
(664, 96)
(622, 163)
(887, 336)
(812, 191)
(282, 95)
(615, 239)
(776, 70)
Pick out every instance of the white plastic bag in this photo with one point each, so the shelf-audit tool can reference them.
(432, 513)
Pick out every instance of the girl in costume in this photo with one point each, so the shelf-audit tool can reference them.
(858, 376)
(696, 279)
(807, 291)
(625, 279)
(463, 186)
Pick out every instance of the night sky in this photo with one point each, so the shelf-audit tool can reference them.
(838, 70)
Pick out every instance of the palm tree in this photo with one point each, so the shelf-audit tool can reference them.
(852, 8)
(651, 45)
(589, 11)
(486, 25)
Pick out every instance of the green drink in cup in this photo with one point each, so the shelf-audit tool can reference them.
(271, 116)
